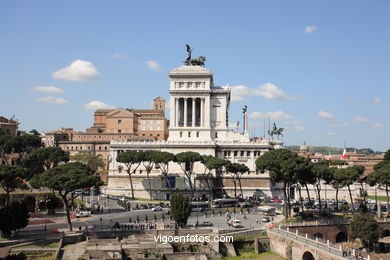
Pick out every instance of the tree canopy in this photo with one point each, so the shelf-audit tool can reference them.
(67, 178)
(11, 177)
(13, 217)
(180, 209)
(22, 144)
(186, 161)
(93, 161)
(43, 159)
(367, 229)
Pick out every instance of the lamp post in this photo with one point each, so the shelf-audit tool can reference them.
(47, 212)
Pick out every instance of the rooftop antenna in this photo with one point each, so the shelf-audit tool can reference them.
(264, 127)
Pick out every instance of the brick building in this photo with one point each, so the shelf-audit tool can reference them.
(112, 124)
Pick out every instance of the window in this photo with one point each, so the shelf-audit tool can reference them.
(119, 130)
(197, 134)
(120, 168)
(119, 121)
(216, 135)
(89, 147)
(105, 148)
(67, 148)
(225, 153)
(100, 148)
(143, 134)
(248, 153)
(71, 148)
(181, 134)
(151, 134)
(242, 154)
(189, 134)
(158, 134)
(235, 153)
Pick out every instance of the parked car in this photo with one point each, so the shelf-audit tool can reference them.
(157, 208)
(265, 219)
(83, 213)
(205, 224)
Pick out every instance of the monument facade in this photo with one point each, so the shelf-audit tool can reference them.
(199, 122)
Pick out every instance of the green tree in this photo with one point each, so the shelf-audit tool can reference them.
(3, 140)
(22, 144)
(321, 173)
(303, 175)
(65, 179)
(277, 162)
(349, 176)
(148, 160)
(180, 209)
(337, 183)
(34, 132)
(381, 176)
(93, 161)
(367, 229)
(12, 218)
(236, 170)
(186, 160)
(387, 155)
(162, 160)
(43, 159)
(11, 177)
(132, 160)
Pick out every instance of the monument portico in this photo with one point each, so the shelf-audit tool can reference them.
(198, 109)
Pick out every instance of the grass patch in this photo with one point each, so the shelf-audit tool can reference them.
(40, 245)
(380, 198)
(254, 256)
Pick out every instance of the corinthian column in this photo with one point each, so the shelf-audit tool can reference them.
(193, 112)
(185, 112)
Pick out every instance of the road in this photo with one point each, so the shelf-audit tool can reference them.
(118, 214)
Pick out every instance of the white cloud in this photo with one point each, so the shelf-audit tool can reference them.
(267, 90)
(256, 125)
(359, 119)
(363, 120)
(293, 123)
(325, 115)
(48, 89)
(377, 100)
(118, 56)
(296, 126)
(331, 133)
(299, 128)
(52, 100)
(153, 65)
(275, 116)
(310, 29)
(340, 125)
(94, 105)
(78, 70)
(376, 125)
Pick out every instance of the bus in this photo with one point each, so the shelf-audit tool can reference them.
(223, 203)
(267, 210)
(198, 206)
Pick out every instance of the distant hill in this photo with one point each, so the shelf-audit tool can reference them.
(334, 150)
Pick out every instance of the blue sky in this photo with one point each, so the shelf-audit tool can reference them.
(320, 69)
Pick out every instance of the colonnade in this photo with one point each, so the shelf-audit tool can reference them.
(189, 111)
